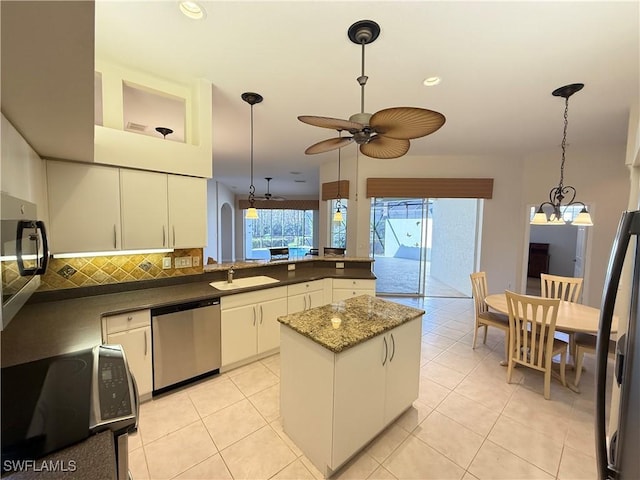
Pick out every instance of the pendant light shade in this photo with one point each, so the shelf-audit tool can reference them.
(562, 192)
(252, 98)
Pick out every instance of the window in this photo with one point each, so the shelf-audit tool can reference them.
(278, 228)
(338, 230)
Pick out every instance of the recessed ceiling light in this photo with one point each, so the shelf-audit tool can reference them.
(192, 10)
(432, 81)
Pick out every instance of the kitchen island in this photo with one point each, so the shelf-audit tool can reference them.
(342, 382)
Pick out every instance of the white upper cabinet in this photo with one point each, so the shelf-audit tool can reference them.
(145, 217)
(187, 211)
(84, 207)
(99, 208)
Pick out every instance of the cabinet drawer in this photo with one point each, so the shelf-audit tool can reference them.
(305, 287)
(354, 283)
(127, 321)
(248, 298)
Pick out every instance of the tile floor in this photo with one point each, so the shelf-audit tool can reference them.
(467, 423)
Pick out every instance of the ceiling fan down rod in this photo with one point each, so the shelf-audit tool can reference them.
(362, 80)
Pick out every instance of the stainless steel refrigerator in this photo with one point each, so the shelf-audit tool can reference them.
(618, 454)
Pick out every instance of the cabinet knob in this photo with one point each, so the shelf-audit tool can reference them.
(129, 318)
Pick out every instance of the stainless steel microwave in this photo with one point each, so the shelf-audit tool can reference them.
(24, 254)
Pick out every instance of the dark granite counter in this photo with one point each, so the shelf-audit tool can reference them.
(58, 322)
(93, 459)
(362, 318)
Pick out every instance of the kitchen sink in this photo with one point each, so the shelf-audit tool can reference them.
(243, 282)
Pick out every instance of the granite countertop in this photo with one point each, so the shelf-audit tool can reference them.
(46, 328)
(240, 264)
(363, 317)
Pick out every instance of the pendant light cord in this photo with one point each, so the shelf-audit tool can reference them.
(564, 141)
(252, 188)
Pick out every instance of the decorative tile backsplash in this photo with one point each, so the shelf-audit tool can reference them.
(91, 271)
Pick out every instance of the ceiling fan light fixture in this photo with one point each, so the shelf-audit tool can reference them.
(375, 132)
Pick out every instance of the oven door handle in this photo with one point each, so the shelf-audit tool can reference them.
(42, 262)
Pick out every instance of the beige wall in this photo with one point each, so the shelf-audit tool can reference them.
(599, 174)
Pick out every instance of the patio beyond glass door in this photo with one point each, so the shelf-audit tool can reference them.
(399, 244)
(424, 246)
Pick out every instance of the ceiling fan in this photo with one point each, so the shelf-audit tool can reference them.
(386, 133)
(268, 195)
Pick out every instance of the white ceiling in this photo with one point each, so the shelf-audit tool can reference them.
(499, 62)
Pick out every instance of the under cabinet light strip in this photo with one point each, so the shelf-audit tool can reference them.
(111, 253)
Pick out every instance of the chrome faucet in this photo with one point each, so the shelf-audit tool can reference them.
(230, 273)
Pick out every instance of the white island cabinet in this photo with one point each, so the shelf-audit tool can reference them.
(342, 386)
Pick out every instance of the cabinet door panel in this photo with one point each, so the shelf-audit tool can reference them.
(315, 299)
(137, 347)
(358, 398)
(268, 325)
(84, 207)
(297, 303)
(187, 211)
(144, 207)
(238, 334)
(403, 367)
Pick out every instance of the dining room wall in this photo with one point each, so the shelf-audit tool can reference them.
(602, 181)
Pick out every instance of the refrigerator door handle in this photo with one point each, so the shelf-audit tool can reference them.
(620, 349)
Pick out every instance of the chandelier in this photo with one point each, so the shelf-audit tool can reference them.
(563, 192)
(252, 98)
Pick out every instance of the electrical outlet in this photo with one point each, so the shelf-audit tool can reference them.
(166, 262)
(339, 264)
(183, 262)
(291, 266)
(196, 261)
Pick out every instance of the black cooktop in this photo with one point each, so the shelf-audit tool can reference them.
(45, 405)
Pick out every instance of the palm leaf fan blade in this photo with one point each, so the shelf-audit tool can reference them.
(328, 145)
(385, 147)
(328, 122)
(406, 122)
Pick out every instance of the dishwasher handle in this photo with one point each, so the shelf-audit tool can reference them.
(181, 307)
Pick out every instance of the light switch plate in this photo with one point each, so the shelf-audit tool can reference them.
(291, 266)
(166, 263)
(339, 264)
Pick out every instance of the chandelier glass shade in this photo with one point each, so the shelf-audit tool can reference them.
(562, 196)
(252, 98)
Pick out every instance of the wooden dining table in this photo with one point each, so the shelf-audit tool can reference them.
(572, 317)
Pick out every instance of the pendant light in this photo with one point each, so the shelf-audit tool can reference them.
(562, 191)
(337, 217)
(252, 98)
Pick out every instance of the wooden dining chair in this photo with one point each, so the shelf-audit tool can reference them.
(485, 318)
(532, 325)
(586, 343)
(565, 288)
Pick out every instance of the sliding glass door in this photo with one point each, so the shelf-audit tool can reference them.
(399, 244)
(424, 246)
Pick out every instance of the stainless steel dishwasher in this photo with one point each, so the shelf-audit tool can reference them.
(186, 343)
